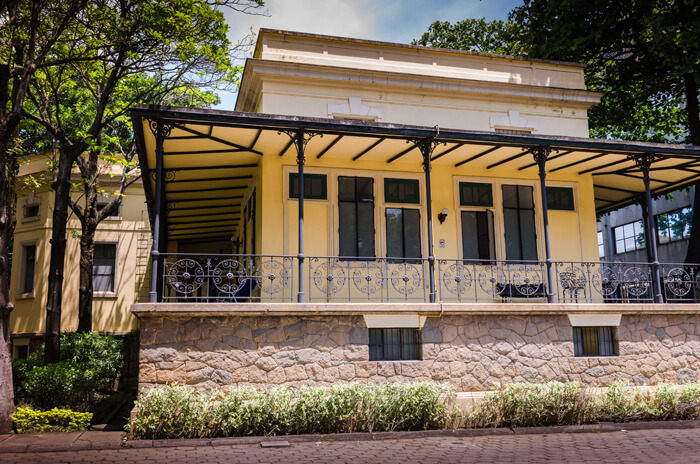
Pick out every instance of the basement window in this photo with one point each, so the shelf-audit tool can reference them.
(394, 344)
(594, 341)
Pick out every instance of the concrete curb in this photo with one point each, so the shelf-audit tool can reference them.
(604, 427)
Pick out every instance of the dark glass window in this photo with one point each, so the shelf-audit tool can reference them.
(29, 266)
(401, 191)
(31, 211)
(393, 345)
(356, 216)
(477, 235)
(519, 222)
(475, 194)
(561, 198)
(113, 214)
(22, 352)
(314, 186)
(674, 225)
(629, 237)
(594, 341)
(402, 233)
(103, 267)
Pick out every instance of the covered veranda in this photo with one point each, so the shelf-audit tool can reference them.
(200, 162)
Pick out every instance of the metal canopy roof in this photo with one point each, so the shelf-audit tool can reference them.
(210, 158)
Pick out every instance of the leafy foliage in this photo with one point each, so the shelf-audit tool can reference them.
(88, 360)
(27, 420)
(182, 412)
(529, 405)
(478, 35)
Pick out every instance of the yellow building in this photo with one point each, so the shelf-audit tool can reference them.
(122, 245)
(383, 212)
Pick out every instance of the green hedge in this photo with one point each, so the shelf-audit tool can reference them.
(528, 405)
(182, 412)
(26, 420)
(88, 361)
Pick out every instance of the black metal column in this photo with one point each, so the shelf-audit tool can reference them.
(644, 162)
(541, 154)
(158, 131)
(299, 142)
(645, 218)
(426, 147)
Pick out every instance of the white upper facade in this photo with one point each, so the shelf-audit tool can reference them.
(332, 77)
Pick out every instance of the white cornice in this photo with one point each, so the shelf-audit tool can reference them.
(258, 70)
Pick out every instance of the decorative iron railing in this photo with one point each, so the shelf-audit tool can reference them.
(333, 278)
(227, 278)
(246, 278)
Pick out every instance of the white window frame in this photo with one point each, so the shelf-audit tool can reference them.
(105, 201)
(115, 287)
(23, 267)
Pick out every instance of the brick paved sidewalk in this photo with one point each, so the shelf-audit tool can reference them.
(635, 447)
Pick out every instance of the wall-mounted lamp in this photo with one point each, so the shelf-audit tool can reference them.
(235, 241)
(442, 215)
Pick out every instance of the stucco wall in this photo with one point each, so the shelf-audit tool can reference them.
(473, 352)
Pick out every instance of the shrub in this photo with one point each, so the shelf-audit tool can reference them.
(181, 412)
(88, 362)
(524, 405)
(528, 405)
(26, 420)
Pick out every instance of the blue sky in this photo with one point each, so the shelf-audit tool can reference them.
(392, 21)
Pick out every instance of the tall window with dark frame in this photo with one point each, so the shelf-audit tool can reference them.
(29, 268)
(394, 345)
(594, 341)
(403, 233)
(519, 222)
(356, 216)
(103, 267)
(477, 235)
(402, 224)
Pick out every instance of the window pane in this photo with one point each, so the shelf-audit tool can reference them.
(510, 222)
(510, 196)
(470, 235)
(375, 345)
(477, 235)
(393, 344)
(525, 197)
(394, 232)
(605, 341)
(346, 188)
(364, 188)
(29, 266)
(412, 233)
(347, 229)
(527, 232)
(475, 194)
(365, 229)
(103, 267)
(401, 191)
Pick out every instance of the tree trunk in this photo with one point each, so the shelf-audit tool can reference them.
(58, 255)
(87, 246)
(7, 404)
(691, 96)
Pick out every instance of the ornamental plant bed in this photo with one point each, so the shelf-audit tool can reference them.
(183, 412)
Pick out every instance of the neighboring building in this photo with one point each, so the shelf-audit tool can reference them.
(621, 232)
(122, 244)
(375, 212)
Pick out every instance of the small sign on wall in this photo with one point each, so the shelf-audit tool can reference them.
(441, 243)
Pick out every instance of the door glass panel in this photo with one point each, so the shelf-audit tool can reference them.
(412, 233)
(394, 233)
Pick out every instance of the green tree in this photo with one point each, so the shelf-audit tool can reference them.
(644, 55)
(30, 32)
(176, 43)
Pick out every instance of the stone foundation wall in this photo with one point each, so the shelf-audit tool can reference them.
(473, 352)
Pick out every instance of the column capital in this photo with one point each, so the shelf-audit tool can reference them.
(300, 138)
(643, 160)
(541, 153)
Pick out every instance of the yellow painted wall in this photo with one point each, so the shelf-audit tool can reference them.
(111, 312)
